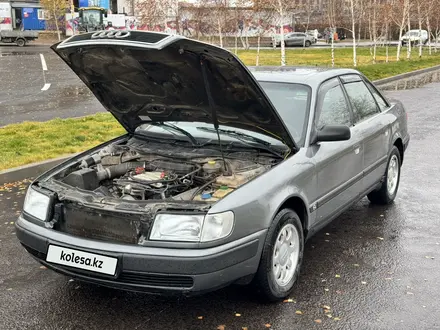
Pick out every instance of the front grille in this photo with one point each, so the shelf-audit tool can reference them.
(101, 225)
(171, 281)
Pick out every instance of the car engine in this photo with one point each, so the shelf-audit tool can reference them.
(148, 171)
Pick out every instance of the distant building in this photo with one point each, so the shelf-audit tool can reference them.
(24, 14)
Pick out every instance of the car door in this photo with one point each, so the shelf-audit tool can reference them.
(374, 126)
(338, 164)
(299, 39)
(288, 39)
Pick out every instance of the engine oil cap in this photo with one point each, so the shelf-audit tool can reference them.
(206, 196)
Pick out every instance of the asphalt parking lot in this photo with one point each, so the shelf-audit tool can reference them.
(21, 94)
(372, 268)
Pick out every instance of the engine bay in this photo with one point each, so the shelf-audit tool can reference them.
(140, 170)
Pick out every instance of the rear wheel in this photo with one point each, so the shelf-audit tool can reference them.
(282, 256)
(388, 190)
(20, 42)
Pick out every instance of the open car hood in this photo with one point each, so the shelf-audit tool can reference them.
(143, 77)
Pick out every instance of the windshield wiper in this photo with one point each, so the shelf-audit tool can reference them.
(234, 133)
(178, 129)
(243, 137)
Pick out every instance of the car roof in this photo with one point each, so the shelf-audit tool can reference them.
(312, 76)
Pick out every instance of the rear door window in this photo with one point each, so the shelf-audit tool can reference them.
(362, 101)
(382, 103)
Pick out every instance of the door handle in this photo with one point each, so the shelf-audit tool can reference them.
(357, 149)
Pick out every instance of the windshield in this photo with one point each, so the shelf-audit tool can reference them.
(413, 33)
(92, 17)
(292, 101)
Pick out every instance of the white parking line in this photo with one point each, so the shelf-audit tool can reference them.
(44, 66)
(43, 62)
(45, 87)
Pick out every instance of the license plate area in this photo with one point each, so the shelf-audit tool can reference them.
(74, 258)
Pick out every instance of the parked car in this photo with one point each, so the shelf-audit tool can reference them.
(314, 34)
(295, 39)
(20, 38)
(415, 37)
(223, 174)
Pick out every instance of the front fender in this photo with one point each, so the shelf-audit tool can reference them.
(256, 203)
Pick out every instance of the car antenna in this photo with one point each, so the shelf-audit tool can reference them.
(211, 104)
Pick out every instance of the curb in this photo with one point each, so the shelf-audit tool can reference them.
(35, 169)
(31, 170)
(406, 75)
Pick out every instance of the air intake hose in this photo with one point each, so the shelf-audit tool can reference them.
(118, 170)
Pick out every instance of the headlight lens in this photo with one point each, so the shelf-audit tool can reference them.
(192, 228)
(36, 204)
(217, 226)
(177, 227)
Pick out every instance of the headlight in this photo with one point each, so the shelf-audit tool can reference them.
(192, 228)
(217, 226)
(36, 204)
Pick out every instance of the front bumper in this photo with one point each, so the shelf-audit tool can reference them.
(151, 270)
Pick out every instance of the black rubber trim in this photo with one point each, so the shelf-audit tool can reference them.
(375, 165)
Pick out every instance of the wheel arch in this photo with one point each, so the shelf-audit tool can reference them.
(398, 143)
(297, 204)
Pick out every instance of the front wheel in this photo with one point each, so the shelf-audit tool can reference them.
(281, 257)
(308, 43)
(20, 42)
(388, 190)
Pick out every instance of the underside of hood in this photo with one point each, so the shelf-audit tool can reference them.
(143, 77)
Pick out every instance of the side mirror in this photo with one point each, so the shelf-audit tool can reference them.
(331, 133)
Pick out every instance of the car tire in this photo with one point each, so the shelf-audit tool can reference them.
(308, 43)
(274, 279)
(20, 42)
(388, 189)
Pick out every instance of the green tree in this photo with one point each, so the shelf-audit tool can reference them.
(56, 9)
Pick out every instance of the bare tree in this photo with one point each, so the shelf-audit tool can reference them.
(282, 9)
(353, 5)
(202, 19)
(434, 19)
(386, 17)
(57, 9)
(264, 17)
(307, 10)
(360, 15)
(153, 13)
(423, 9)
(372, 27)
(400, 9)
(408, 18)
(332, 16)
(428, 26)
(220, 15)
